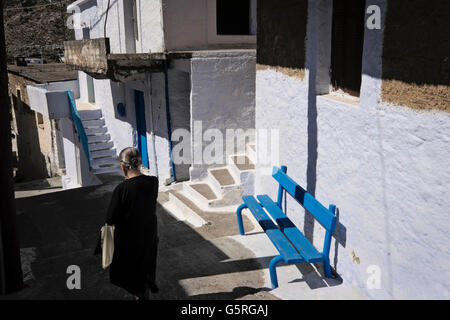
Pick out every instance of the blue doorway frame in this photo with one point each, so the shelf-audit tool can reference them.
(139, 103)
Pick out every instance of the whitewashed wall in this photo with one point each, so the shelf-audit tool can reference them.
(222, 96)
(385, 167)
(122, 129)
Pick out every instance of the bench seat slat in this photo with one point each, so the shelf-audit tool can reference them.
(275, 235)
(307, 250)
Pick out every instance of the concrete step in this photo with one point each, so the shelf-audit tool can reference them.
(101, 146)
(242, 162)
(242, 169)
(203, 194)
(90, 114)
(251, 152)
(95, 131)
(117, 170)
(103, 153)
(186, 210)
(200, 192)
(222, 176)
(98, 123)
(224, 184)
(105, 161)
(98, 138)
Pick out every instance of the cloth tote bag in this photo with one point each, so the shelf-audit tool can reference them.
(107, 245)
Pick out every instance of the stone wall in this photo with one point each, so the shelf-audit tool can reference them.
(37, 142)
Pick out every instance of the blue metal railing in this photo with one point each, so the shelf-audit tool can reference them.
(79, 126)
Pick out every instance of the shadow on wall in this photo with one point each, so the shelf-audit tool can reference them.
(31, 161)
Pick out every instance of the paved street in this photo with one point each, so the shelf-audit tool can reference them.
(59, 228)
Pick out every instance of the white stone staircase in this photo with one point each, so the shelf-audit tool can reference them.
(220, 191)
(102, 153)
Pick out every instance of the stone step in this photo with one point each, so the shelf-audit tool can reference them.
(95, 131)
(98, 123)
(101, 146)
(98, 138)
(187, 210)
(90, 114)
(103, 153)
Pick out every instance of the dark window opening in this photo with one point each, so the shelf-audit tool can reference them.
(347, 45)
(86, 33)
(233, 17)
(40, 120)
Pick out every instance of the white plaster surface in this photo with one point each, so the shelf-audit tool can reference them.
(222, 97)
(385, 167)
(51, 99)
(122, 130)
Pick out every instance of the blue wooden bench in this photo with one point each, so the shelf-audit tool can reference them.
(290, 242)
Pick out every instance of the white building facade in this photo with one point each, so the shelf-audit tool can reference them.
(210, 70)
(380, 153)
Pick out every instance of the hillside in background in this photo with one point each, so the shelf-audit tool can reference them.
(33, 27)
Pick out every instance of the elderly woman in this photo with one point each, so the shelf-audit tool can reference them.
(132, 212)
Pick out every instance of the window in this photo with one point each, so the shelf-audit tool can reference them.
(347, 45)
(90, 88)
(233, 17)
(40, 120)
(86, 33)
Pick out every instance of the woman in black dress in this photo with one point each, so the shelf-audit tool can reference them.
(132, 212)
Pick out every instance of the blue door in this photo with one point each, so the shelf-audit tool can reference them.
(141, 127)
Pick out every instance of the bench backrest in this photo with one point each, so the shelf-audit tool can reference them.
(314, 207)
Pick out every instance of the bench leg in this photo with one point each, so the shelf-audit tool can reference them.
(273, 270)
(327, 268)
(239, 218)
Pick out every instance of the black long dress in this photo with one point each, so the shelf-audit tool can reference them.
(132, 212)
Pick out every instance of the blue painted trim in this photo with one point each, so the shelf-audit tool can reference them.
(139, 104)
(322, 215)
(239, 218)
(279, 240)
(327, 244)
(79, 126)
(169, 124)
(280, 190)
(306, 248)
(273, 270)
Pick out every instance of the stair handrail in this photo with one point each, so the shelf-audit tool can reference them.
(79, 126)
